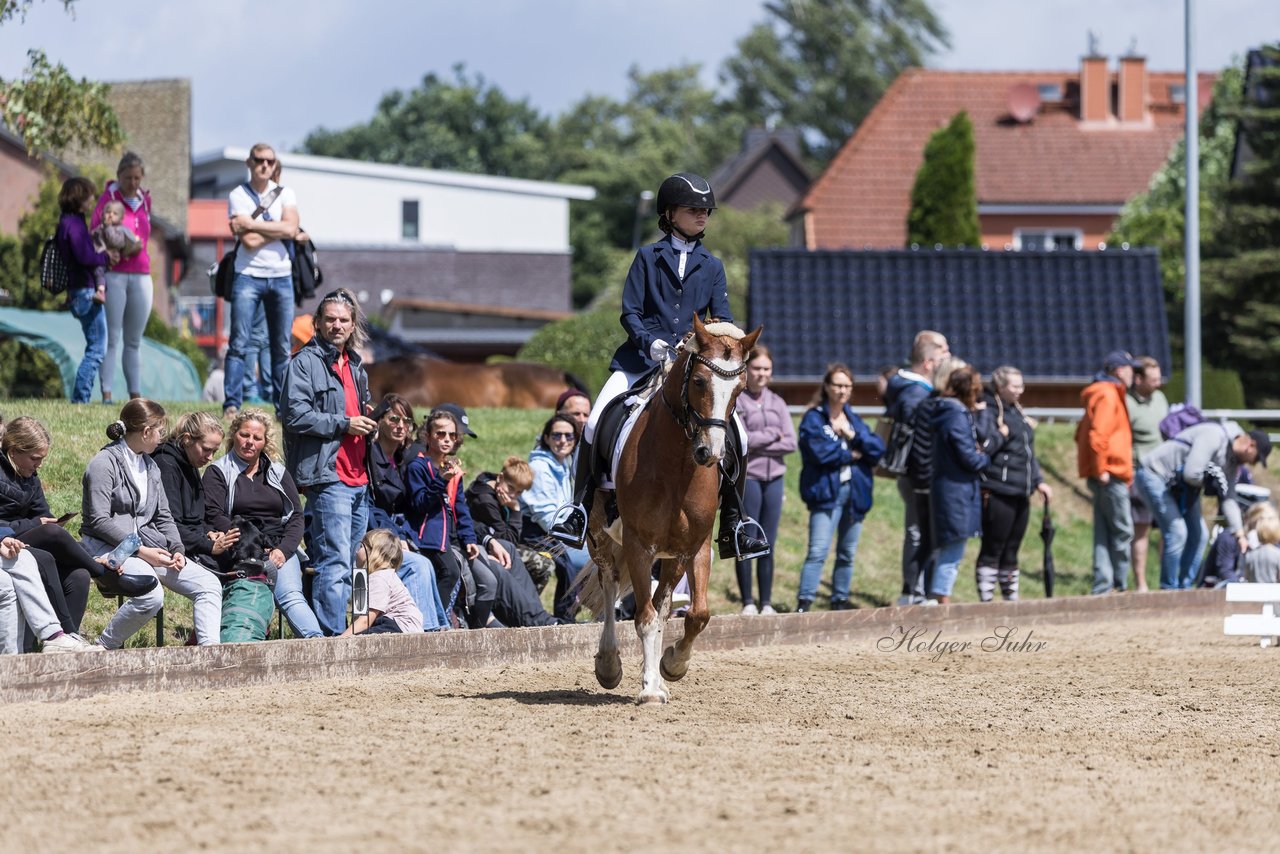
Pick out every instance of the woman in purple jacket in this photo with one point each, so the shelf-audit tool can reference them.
(76, 199)
(770, 437)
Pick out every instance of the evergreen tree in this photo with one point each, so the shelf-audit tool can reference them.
(1241, 271)
(944, 198)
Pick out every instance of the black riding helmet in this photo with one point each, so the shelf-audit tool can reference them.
(687, 189)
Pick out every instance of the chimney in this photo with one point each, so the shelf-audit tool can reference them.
(1095, 89)
(1133, 89)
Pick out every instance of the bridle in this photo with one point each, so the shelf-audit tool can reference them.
(688, 418)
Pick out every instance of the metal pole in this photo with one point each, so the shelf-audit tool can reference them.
(1191, 237)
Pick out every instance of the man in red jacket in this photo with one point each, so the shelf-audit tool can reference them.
(1104, 452)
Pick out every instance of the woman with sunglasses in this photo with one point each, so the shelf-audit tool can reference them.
(438, 514)
(552, 463)
(388, 504)
(264, 271)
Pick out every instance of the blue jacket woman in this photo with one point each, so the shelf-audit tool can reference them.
(838, 452)
(956, 492)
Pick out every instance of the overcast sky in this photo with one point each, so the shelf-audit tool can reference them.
(276, 69)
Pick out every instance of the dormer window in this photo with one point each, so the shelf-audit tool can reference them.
(1047, 240)
(1178, 93)
(1049, 92)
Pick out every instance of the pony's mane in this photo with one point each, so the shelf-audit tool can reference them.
(724, 328)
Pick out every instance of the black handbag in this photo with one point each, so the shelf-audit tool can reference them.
(223, 272)
(307, 276)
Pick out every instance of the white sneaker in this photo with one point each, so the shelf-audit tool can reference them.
(929, 602)
(767, 610)
(66, 643)
(89, 647)
(906, 600)
(750, 609)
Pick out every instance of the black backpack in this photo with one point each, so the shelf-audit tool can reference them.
(307, 275)
(55, 271)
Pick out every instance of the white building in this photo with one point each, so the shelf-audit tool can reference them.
(466, 264)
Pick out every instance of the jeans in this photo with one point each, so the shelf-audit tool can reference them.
(1112, 534)
(762, 501)
(257, 359)
(193, 581)
(944, 576)
(93, 320)
(1181, 530)
(419, 579)
(339, 518)
(288, 595)
(276, 297)
(912, 537)
(129, 297)
(821, 525)
(22, 596)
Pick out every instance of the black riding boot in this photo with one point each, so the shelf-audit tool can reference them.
(572, 529)
(736, 528)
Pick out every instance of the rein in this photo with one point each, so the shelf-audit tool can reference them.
(688, 418)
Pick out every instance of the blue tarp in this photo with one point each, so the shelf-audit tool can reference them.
(166, 373)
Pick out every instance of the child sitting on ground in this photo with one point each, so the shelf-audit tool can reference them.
(391, 608)
(112, 235)
(1262, 562)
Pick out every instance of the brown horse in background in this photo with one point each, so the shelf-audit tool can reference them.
(426, 381)
(668, 489)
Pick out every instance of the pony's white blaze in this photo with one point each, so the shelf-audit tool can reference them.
(721, 394)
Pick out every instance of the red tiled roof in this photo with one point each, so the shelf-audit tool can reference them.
(863, 197)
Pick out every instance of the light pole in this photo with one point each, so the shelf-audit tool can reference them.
(1191, 236)
(642, 205)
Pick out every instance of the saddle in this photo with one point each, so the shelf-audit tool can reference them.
(617, 412)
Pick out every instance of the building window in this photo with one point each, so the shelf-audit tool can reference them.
(1047, 240)
(409, 219)
(1178, 93)
(1049, 92)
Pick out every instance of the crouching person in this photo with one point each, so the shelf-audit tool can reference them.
(124, 494)
(391, 608)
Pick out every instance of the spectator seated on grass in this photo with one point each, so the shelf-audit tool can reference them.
(551, 461)
(123, 494)
(494, 501)
(22, 591)
(249, 482)
(388, 503)
(65, 567)
(391, 608)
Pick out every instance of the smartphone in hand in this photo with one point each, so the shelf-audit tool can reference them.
(66, 517)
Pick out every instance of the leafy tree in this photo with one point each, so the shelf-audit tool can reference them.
(48, 107)
(821, 65)
(464, 125)
(944, 198)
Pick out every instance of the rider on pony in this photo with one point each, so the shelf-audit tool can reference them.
(669, 282)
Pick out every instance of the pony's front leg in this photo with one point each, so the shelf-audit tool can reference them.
(675, 661)
(649, 625)
(608, 661)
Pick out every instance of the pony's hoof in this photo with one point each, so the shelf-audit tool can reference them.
(672, 669)
(652, 698)
(609, 671)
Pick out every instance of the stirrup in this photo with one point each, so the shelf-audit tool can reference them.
(747, 527)
(562, 529)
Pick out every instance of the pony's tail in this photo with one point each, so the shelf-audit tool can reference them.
(590, 588)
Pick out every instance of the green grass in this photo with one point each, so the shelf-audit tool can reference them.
(79, 431)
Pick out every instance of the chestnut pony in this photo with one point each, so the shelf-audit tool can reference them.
(668, 484)
(425, 381)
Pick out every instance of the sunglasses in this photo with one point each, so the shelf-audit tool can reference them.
(563, 437)
(398, 419)
(446, 434)
(264, 161)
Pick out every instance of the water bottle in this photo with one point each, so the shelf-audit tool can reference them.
(128, 548)
(359, 592)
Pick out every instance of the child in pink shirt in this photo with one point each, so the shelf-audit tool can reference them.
(391, 608)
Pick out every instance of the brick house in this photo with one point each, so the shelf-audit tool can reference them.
(1057, 154)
